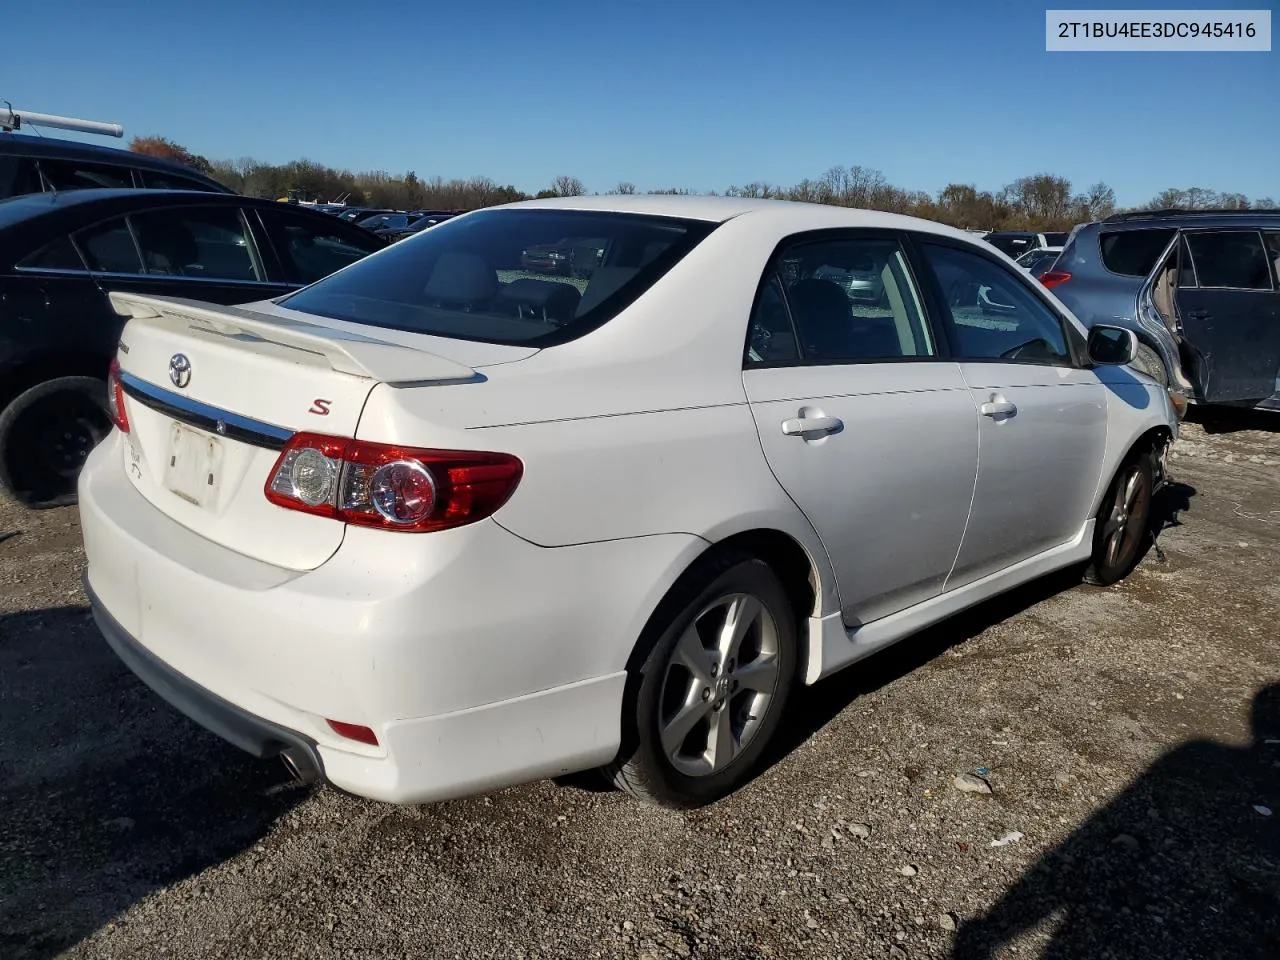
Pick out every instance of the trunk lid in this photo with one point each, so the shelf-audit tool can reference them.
(213, 393)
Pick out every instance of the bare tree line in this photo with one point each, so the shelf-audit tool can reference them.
(1039, 202)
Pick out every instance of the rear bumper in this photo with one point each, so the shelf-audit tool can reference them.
(479, 660)
(235, 725)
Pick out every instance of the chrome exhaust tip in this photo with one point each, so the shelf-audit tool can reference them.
(300, 765)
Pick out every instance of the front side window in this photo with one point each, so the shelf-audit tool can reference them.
(109, 248)
(991, 314)
(1272, 241)
(848, 301)
(312, 251)
(211, 243)
(73, 175)
(487, 276)
(1230, 258)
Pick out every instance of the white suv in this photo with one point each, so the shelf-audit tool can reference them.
(439, 523)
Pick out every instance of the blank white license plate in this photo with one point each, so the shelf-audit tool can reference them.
(194, 465)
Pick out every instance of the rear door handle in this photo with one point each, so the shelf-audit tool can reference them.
(811, 427)
(998, 407)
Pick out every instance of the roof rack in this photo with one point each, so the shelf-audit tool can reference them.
(11, 119)
(1184, 212)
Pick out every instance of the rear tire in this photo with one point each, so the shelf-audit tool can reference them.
(700, 709)
(46, 433)
(1123, 522)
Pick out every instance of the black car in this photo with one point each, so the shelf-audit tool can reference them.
(43, 164)
(60, 254)
(424, 222)
(572, 256)
(356, 214)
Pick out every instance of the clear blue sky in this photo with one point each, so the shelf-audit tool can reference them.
(660, 93)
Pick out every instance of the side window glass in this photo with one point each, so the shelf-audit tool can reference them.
(770, 338)
(169, 181)
(71, 175)
(211, 243)
(991, 314)
(108, 248)
(26, 177)
(312, 251)
(1272, 241)
(1230, 258)
(1186, 272)
(854, 300)
(59, 255)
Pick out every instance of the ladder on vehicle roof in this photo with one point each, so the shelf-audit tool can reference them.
(11, 119)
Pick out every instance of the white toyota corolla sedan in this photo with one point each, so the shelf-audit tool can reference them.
(464, 514)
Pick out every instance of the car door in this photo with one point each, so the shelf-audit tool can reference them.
(51, 304)
(198, 253)
(863, 421)
(309, 248)
(1042, 415)
(1231, 315)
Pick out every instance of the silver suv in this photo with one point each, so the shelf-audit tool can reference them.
(1201, 290)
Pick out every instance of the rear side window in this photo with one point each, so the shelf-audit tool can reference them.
(59, 255)
(850, 300)
(533, 277)
(1230, 258)
(211, 243)
(109, 248)
(1133, 253)
(311, 251)
(171, 181)
(73, 175)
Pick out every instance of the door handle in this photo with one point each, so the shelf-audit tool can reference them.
(812, 427)
(998, 407)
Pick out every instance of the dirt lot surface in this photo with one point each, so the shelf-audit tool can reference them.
(1134, 812)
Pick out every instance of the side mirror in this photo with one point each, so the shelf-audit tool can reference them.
(1112, 346)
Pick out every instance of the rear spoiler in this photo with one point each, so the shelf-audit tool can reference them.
(344, 351)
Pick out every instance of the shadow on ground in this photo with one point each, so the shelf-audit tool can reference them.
(1234, 419)
(1184, 863)
(108, 793)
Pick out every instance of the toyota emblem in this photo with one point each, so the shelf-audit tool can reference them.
(180, 370)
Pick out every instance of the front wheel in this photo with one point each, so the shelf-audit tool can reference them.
(704, 703)
(1123, 521)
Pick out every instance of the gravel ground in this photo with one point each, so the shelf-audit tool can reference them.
(1127, 813)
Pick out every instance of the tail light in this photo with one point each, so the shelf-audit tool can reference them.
(115, 397)
(1052, 278)
(392, 487)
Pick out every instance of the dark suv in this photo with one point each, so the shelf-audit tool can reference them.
(1200, 288)
(43, 164)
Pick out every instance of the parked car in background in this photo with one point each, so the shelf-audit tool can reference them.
(1014, 243)
(572, 256)
(470, 531)
(45, 164)
(61, 255)
(356, 214)
(383, 222)
(425, 221)
(1039, 260)
(1201, 290)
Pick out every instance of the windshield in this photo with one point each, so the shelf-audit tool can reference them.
(507, 276)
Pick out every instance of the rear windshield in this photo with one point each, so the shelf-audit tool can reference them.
(1133, 253)
(534, 277)
(1056, 239)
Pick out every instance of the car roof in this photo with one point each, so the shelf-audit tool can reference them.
(1171, 219)
(788, 214)
(18, 144)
